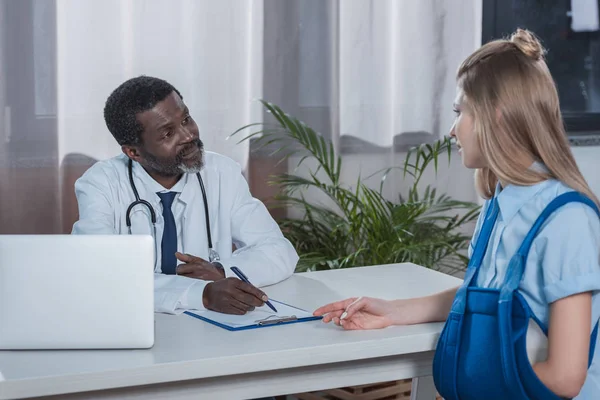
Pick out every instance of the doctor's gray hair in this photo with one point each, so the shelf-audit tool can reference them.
(133, 96)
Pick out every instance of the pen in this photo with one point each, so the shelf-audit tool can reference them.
(243, 278)
(345, 314)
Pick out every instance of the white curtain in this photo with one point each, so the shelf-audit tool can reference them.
(397, 65)
(369, 69)
(211, 51)
(4, 115)
(373, 70)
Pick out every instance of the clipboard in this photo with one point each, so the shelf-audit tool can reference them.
(261, 317)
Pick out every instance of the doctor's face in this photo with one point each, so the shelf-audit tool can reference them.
(170, 142)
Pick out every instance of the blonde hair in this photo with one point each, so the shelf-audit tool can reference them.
(517, 119)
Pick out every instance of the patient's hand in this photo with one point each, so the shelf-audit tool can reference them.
(198, 268)
(358, 313)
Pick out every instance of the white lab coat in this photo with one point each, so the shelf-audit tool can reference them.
(263, 254)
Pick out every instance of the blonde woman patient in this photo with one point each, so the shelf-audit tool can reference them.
(508, 128)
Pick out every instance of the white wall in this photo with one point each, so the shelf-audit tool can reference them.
(452, 179)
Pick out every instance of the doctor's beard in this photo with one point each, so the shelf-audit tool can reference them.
(178, 164)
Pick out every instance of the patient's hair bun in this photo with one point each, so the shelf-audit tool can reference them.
(528, 43)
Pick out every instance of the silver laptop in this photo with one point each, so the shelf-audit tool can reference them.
(76, 292)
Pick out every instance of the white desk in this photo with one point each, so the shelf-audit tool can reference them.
(192, 359)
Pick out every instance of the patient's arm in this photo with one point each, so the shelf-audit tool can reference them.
(371, 313)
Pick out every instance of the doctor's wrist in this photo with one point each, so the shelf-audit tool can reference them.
(204, 299)
(219, 267)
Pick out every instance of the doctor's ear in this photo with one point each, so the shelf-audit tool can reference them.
(131, 152)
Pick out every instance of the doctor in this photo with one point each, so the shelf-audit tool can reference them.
(200, 203)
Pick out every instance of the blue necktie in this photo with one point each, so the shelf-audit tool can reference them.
(169, 238)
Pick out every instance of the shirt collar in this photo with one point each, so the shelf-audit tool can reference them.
(512, 198)
(152, 186)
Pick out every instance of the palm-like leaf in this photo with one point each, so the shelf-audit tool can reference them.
(361, 227)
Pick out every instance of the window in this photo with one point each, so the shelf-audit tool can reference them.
(573, 57)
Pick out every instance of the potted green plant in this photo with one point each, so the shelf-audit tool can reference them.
(360, 226)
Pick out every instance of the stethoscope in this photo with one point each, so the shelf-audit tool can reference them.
(213, 256)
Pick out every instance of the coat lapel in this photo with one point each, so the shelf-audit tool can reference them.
(195, 240)
(140, 215)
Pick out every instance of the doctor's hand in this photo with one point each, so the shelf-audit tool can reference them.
(198, 268)
(232, 296)
(359, 313)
